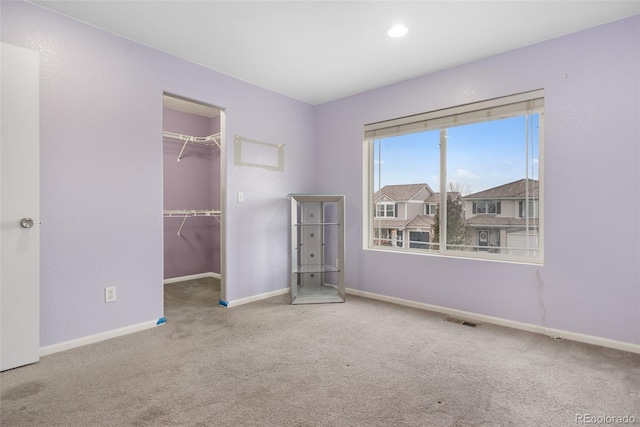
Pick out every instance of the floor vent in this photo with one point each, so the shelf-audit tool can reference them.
(462, 322)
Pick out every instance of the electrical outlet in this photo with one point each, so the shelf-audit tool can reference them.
(110, 294)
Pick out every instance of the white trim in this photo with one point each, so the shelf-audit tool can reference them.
(92, 339)
(367, 194)
(385, 204)
(554, 333)
(223, 204)
(258, 297)
(192, 277)
(573, 336)
(511, 259)
(478, 112)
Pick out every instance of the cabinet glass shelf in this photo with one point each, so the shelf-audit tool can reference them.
(316, 224)
(316, 269)
(317, 249)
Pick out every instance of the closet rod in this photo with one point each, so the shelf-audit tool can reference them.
(208, 141)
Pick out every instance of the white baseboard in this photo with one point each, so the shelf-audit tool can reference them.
(254, 298)
(191, 277)
(555, 333)
(573, 336)
(91, 339)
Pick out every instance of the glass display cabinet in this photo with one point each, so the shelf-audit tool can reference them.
(317, 249)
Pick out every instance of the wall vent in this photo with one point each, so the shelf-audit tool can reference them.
(462, 322)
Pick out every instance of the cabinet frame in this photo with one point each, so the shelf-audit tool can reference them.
(317, 221)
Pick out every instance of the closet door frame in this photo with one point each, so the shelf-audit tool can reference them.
(222, 182)
(223, 207)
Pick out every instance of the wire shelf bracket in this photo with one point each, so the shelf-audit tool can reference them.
(184, 214)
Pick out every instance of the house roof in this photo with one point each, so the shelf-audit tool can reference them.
(420, 221)
(402, 192)
(389, 223)
(435, 197)
(512, 190)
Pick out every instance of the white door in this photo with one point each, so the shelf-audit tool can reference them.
(19, 207)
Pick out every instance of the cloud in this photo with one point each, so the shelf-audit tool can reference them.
(463, 173)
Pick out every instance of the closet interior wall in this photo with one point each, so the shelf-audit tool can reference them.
(193, 183)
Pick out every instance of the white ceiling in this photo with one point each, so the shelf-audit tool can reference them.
(318, 51)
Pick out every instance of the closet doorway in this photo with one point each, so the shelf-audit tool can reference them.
(193, 203)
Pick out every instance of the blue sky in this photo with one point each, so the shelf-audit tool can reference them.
(479, 156)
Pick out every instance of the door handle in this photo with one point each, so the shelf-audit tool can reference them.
(26, 223)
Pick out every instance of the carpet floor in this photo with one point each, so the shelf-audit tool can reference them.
(361, 363)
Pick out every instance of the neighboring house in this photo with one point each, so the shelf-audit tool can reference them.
(498, 221)
(421, 228)
(405, 215)
(396, 205)
(496, 217)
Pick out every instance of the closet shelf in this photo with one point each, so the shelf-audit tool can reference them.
(184, 214)
(207, 141)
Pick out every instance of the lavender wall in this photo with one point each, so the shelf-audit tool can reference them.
(191, 183)
(101, 172)
(101, 179)
(590, 281)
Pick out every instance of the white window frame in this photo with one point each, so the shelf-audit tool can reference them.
(487, 204)
(385, 209)
(427, 208)
(534, 208)
(493, 109)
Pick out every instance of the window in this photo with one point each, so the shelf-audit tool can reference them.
(484, 164)
(486, 207)
(386, 210)
(388, 237)
(430, 209)
(533, 208)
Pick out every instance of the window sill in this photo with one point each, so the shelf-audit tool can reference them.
(460, 255)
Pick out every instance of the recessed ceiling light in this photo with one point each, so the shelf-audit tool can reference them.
(397, 31)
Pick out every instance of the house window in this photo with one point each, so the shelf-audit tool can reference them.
(484, 164)
(386, 210)
(532, 207)
(486, 207)
(388, 237)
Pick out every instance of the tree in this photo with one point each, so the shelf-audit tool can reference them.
(458, 232)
